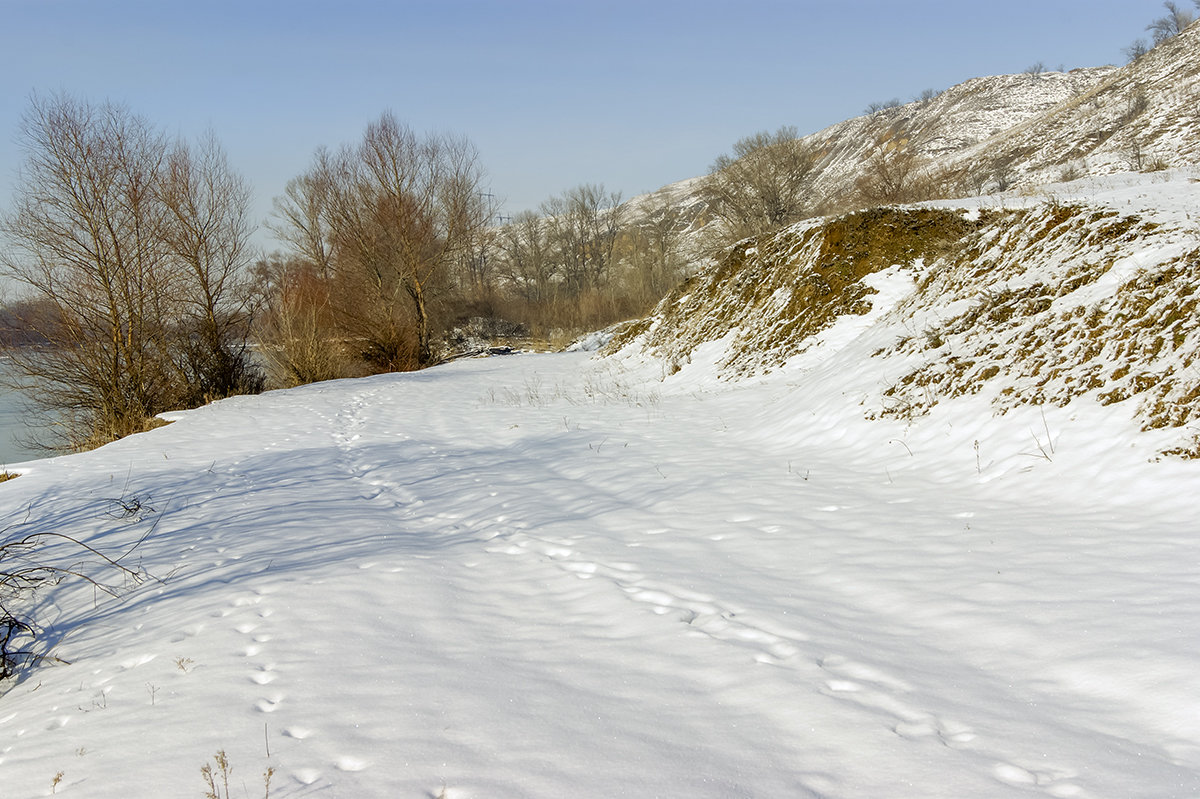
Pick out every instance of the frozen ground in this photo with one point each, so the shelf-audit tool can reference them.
(552, 576)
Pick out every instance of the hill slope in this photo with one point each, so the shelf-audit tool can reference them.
(1013, 132)
(1138, 117)
(1077, 294)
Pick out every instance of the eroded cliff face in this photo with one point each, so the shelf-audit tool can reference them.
(1026, 305)
(769, 296)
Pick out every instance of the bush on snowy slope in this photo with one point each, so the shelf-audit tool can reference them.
(34, 554)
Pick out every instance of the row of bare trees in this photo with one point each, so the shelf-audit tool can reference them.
(140, 291)
(391, 246)
(132, 248)
(571, 265)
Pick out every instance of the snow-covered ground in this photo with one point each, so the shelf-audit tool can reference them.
(561, 576)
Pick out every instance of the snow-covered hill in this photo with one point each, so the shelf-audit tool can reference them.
(1016, 132)
(958, 126)
(1140, 117)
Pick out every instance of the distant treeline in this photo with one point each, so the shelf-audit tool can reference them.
(22, 323)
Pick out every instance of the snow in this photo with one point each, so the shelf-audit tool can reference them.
(562, 575)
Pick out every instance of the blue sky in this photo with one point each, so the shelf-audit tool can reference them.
(633, 94)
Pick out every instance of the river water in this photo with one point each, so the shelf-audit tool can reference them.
(14, 411)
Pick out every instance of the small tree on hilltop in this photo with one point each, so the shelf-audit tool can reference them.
(893, 173)
(761, 185)
(1136, 50)
(1172, 23)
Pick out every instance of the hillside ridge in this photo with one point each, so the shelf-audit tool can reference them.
(1016, 132)
(1040, 300)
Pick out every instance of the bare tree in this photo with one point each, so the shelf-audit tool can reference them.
(527, 260)
(893, 174)
(1172, 23)
(87, 239)
(476, 267)
(296, 327)
(301, 219)
(653, 250)
(1136, 49)
(207, 236)
(761, 184)
(882, 105)
(584, 224)
(927, 96)
(390, 218)
(133, 248)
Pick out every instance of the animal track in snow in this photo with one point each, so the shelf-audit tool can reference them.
(262, 677)
(1054, 782)
(702, 613)
(134, 662)
(190, 631)
(869, 686)
(269, 704)
(861, 671)
(875, 689)
(350, 764)
(264, 673)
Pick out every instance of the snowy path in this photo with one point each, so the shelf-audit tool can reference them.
(535, 577)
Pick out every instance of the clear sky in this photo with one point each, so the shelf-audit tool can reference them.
(633, 94)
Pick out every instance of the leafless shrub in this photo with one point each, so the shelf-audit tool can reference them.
(894, 174)
(1170, 24)
(25, 566)
(882, 105)
(760, 185)
(1136, 49)
(927, 96)
(296, 333)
